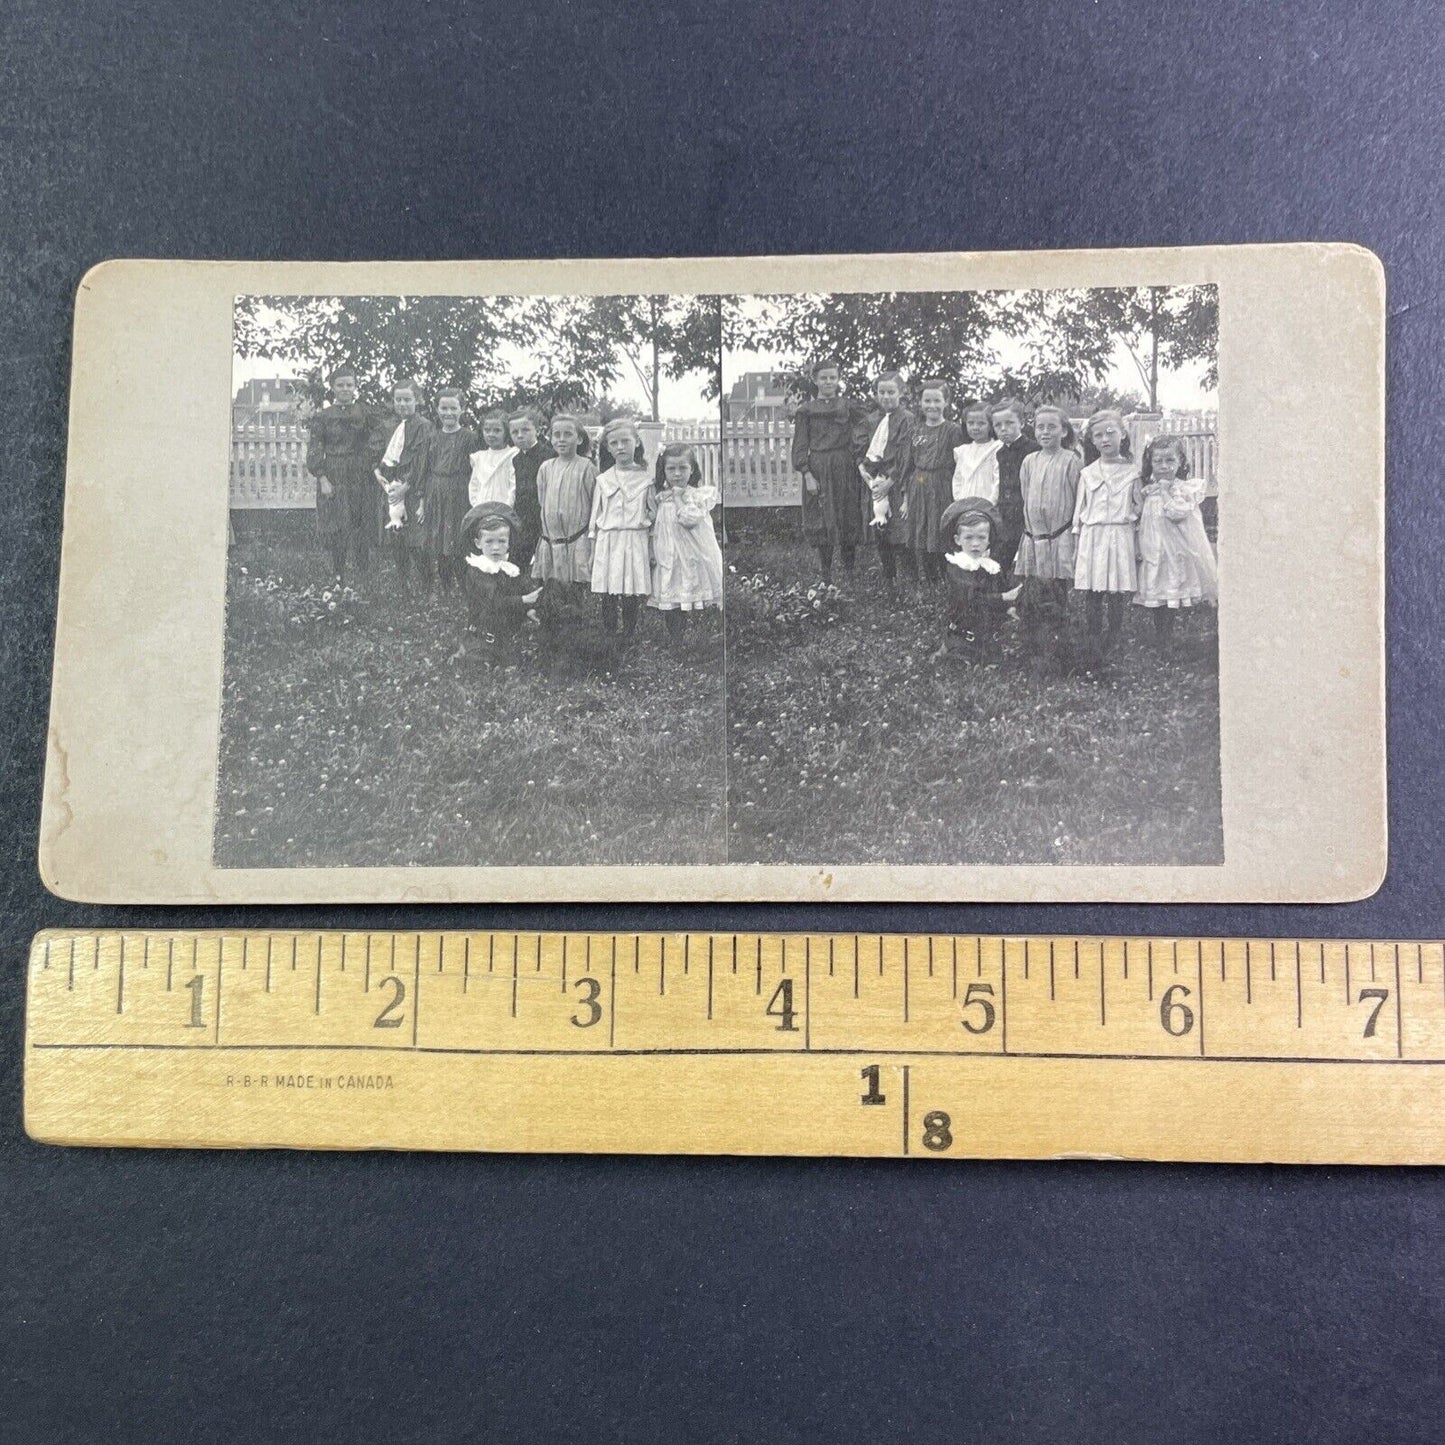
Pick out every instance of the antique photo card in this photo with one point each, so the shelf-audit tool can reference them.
(943, 576)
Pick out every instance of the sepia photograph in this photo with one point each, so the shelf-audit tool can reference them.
(972, 577)
(933, 583)
(474, 590)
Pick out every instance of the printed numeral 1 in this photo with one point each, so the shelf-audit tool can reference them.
(870, 1076)
(197, 986)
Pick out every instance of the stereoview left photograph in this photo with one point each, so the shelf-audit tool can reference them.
(475, 583)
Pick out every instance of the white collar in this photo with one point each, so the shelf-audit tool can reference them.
(491, 568)
(965, 563)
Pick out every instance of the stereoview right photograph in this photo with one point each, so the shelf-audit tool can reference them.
(971, 545)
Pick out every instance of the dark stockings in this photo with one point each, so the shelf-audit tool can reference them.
(825, 558)
(625, 607)
(891, 555)
(1094, 613)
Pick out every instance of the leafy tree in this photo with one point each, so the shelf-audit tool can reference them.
(438, 340)
(648, 337)
(927, 334)
(573, 348)
(1069, 339)
(1077, 333)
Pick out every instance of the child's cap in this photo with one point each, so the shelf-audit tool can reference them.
(969, 509)
(495, 513)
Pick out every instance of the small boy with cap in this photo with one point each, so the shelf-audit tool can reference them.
(973, 579)
(498, 598)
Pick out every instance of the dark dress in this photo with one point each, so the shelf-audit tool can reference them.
(1011, 496)
(892, 466)
(928, 483)
(496, 612)
(975, 609)
(823, 445)
(409, 470)
(445, 499)
(342, 448)
(525, 466)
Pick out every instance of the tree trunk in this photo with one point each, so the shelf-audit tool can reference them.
(1154, 348)
(656, 357)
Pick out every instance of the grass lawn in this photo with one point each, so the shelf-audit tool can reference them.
(848, 746)
(357, 734)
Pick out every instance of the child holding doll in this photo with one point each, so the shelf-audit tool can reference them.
(399, 474)
(1176, 562)
(687, 565)
(883, 442)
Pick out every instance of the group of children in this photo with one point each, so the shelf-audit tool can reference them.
(1008, 523)
(525, 528)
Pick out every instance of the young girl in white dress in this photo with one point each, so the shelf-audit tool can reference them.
(1176, 562)
(493, 479)
(687, 565)
(1105, 514)
(975, 463)
(623, 507)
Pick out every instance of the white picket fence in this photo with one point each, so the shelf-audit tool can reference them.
(268, 462)
(268, 457)
(749, 462)
(757, 469)
(756, 463)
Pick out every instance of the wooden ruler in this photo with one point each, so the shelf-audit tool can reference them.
(928, 1047)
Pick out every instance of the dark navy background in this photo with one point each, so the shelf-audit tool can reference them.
(273, 1297)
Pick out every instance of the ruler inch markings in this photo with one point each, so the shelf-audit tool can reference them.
(416, 991)
(612, 999)
(99, 1021)
(1399, 1017)
(1299, 990)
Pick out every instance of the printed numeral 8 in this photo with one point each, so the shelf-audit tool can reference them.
(936, 1133)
